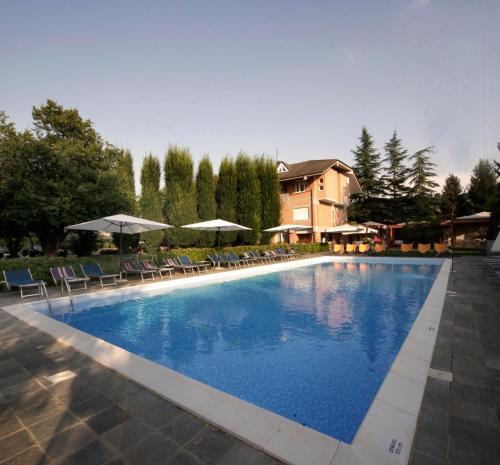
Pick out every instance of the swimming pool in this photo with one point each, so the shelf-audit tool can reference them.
(312, 344)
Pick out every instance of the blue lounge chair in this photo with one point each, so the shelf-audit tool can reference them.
(92, 271)
(230, 261)
(242, 261)
(256, 254)
(23, 280)
(218, 261)
(185, 260)
(65, 275)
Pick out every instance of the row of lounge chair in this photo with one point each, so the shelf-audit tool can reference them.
(380, 248)
(67, 278)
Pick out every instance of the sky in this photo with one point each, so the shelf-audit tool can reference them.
(292, 79)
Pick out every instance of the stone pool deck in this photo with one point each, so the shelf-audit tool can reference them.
(459, 418)
(98, 417)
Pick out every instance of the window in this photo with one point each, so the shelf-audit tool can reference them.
(300, 186)
(284, 188)
(300, 214)
(320, 184)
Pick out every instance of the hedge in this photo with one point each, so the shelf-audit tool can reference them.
(40, 266)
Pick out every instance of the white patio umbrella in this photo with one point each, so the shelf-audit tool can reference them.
(344, 228)
(122, 224)
(361, 231)
(218, 226)
(286, 228)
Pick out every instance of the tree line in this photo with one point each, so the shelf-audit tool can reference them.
(245, 191)
(61, 172)
(399, 187)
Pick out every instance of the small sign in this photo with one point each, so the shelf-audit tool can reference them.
(395, 447)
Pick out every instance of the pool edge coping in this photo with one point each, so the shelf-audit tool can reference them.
(388, 425)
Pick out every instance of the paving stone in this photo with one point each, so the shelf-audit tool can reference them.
(462, 452)
(184, 427)
(107, 419)
(140, 402)
(127, 434)
(94, 453)
(91, 406)
(15, 443)
(6, 365)
(31, 456)
(490, 457)
(122, 391)
(162, 414)
(211, 445)
(432, 420)
(184, 458)
(472, 394)
(31, 400)
(475, 433)
(9, 424)
(53, 425)
(67, 442)
(243, 454)
(73, 391)
(17, 377)
(474, 380)
(156, 449)
(431, 443)
(475, 412)
(40, 412)
(20, 390)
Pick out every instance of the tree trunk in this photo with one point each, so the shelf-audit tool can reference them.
(50, 239)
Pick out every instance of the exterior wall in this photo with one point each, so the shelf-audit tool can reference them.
(322, 213)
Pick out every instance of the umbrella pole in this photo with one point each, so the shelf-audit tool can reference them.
(218, 267)
(121, 249)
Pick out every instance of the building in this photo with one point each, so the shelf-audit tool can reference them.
(315, 193)
(470, 230)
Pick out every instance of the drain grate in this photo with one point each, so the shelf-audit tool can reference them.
(60, 377)
(441, 374)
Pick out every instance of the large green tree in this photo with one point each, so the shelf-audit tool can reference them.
(270, 203)
(124, 170)
(422, 186)
(226, 196)
(395, 174)
(60, 175)
(248, 195)
(482, 187)
(367, 166)
(150, 202)
(495, 208)
(206, 205)
(179, 204)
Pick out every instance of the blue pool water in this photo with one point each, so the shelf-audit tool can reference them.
(312, 344)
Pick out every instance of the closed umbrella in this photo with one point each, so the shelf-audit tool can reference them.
(122, 224)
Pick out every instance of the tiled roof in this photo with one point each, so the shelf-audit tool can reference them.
(307, 168)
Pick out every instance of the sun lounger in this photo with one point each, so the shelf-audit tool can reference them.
(228, 260)
(149, 265)
(179, 266)
(23, 280)
(264, 259)
(129, 267)
(65, 275)
(243, 261)
(186, 261)
(92, 271)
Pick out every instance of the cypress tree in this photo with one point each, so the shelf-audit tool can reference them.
(125, 172)
(206, 205)
(150, 202)
(421, 176)
(226, 197)
(394, 178)
(248, 199)
(270, 203)
(482, 188)
(367, 166)
(179, 205)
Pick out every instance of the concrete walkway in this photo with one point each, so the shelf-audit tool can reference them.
(459, 418)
